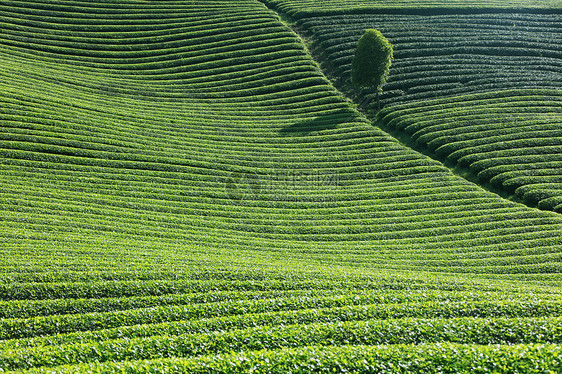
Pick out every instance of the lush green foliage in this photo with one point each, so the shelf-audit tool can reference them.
(429, 358)
(371, 63)
(309, 320)
(184, 191)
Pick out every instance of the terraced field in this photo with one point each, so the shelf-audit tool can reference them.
(307, 8)
(185, 191)
(479, 91)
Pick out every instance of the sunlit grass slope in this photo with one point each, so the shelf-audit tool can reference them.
(183, 190)
(158, 130)
(481, 91)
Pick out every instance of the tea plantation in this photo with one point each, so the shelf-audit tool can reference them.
(183, 190)
(479, 91)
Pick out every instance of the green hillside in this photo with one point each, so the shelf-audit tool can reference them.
(185, 191)
(481, 92)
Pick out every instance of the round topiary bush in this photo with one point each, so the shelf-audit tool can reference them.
(371, 63)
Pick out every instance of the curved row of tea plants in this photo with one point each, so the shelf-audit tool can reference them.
(384, 359)
(183, 190)
(298, 9)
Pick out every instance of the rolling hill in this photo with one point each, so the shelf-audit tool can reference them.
(479, 91)
(185, 191)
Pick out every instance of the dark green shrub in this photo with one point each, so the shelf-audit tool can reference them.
(371, 63)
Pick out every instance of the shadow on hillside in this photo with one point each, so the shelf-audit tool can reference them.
(317, 124)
